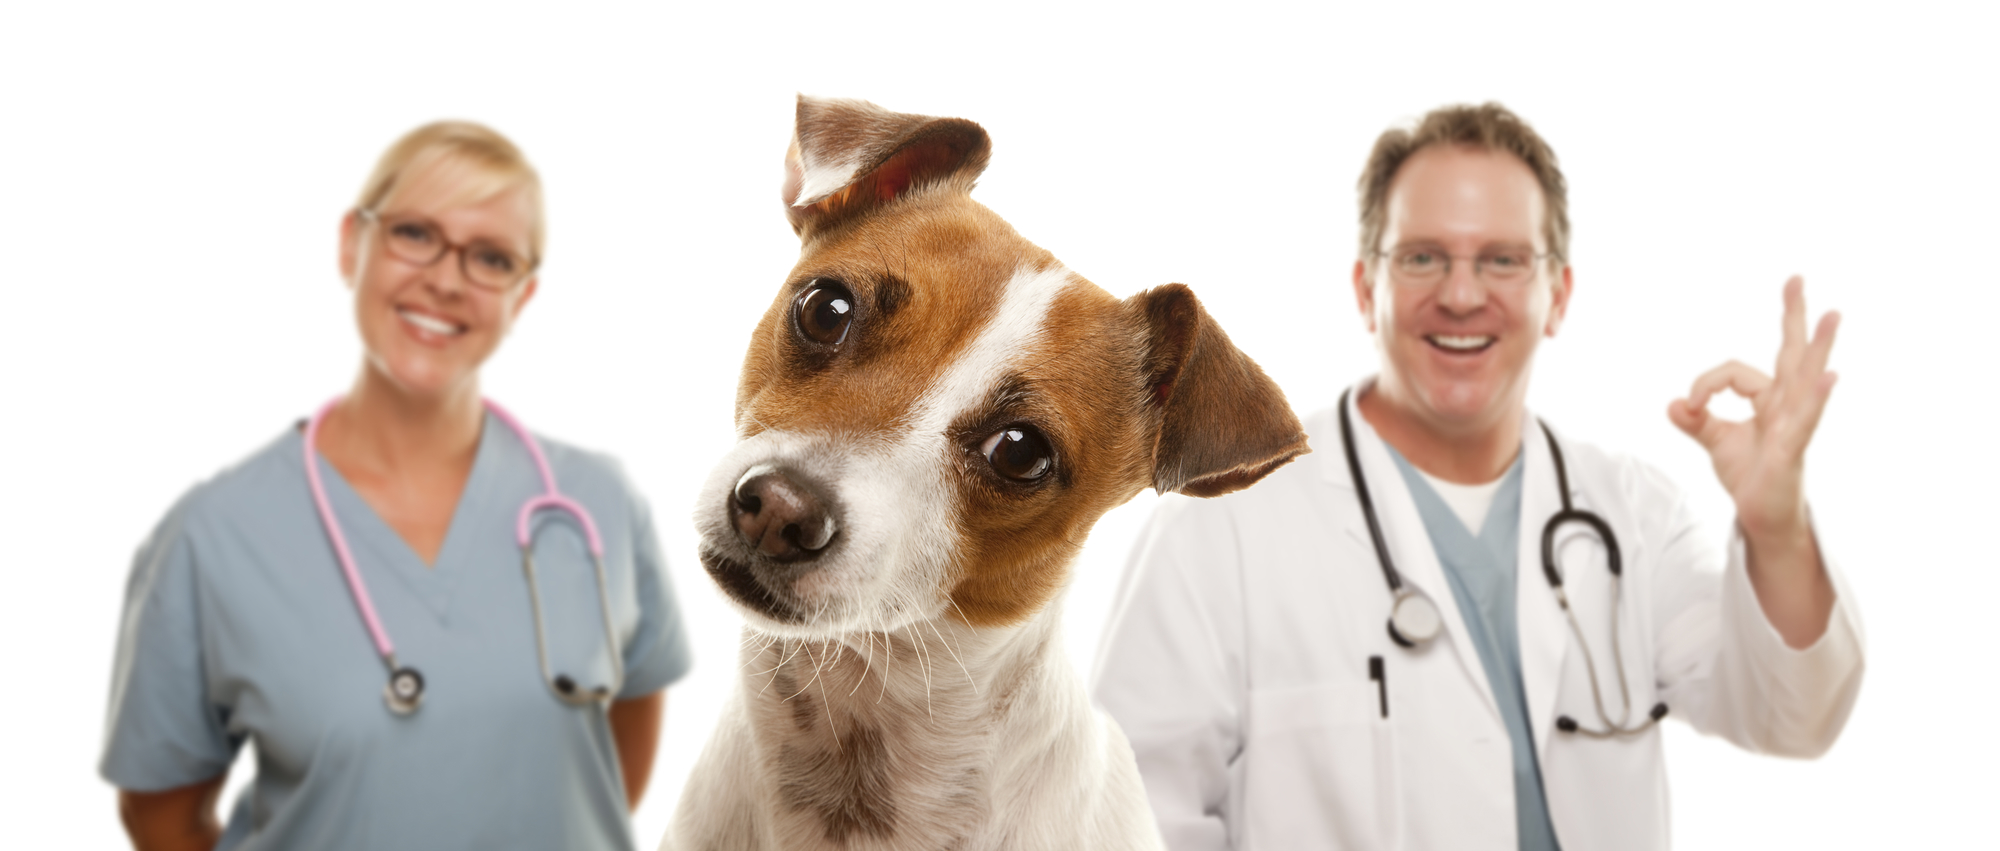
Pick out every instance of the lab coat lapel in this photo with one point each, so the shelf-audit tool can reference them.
(1409, 542)
(1543, 631)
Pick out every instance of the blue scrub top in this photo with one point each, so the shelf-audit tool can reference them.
(238, 626)
(1481, 569)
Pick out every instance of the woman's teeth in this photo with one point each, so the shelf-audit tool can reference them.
(429, 323)
(1461, 343)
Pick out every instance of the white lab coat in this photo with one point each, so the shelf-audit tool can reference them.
(1237, 663)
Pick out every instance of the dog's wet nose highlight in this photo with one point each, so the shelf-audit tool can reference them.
(779, 516)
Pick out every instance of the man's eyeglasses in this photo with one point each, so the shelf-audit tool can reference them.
(1427, 265)
(419, 241)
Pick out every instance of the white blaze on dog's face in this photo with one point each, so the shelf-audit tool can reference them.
(934, 411)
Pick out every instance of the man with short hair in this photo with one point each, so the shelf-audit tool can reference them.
(1451, 626)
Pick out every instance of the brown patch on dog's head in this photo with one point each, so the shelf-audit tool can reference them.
(920, 283)
(1144, 392)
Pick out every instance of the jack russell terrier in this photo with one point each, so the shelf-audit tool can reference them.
(932, 414)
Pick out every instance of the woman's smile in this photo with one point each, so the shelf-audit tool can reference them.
(429, 327)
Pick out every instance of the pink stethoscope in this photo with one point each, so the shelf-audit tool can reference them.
(405, 689)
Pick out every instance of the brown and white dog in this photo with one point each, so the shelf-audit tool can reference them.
(932, 415)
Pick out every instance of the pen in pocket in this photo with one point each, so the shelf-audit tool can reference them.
(1379, 673)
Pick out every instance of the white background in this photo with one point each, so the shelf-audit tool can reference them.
(172, 178)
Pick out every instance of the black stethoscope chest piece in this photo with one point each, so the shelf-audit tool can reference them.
(1414, 620)
(404, 691)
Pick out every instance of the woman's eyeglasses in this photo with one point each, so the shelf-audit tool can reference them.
(419, 241)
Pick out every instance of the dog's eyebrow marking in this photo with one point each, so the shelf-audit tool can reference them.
(1009, 394)
(1004, 401)
(891, 293)
(1013, 328)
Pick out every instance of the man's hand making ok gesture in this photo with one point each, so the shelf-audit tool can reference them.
(1761, 462)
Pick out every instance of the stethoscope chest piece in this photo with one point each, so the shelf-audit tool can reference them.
(1413, 619)
(404, 691)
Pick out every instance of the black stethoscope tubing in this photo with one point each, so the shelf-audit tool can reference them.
(1406, 598)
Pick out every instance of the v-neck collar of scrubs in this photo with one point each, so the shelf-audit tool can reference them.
(373, 539)
(1482, 569)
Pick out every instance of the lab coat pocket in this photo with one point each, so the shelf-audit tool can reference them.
(1321, 769)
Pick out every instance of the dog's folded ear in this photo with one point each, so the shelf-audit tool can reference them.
(1222, 423)
(849, 156)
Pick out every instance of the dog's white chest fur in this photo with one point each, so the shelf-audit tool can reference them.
(941, 736)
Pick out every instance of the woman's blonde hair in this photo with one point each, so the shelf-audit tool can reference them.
(491, 163)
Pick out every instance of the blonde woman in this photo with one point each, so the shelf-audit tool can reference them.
(352, 597)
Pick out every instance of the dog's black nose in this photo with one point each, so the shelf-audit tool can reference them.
(779, 516)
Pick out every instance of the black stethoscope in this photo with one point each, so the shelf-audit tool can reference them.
(1414, 620)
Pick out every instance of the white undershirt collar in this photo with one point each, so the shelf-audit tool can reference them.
(1469, 502)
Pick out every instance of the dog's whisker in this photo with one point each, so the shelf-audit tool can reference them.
(961, 612)
(923, 663)
(781, 664)
(746, 661)
(954, 657)
(806, 647)
(888, 649)
(832, 650)
(795, 651)
(888, 657)
(752, 420)
(867, 663)
(817, 664)
(766, 670)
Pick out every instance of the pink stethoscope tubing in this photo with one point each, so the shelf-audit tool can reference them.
(405, 688)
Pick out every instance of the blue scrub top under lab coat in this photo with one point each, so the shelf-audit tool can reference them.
(1481, 568)
(239, 626)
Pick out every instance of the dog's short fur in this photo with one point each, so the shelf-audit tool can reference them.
(932, 414)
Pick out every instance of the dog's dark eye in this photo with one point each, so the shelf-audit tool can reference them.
(824, 312)
(1019, 452)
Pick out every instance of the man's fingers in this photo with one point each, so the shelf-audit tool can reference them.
(1821, 349)
(1691, 414)
(1813, 406)
(1735, 375)
(1794, 345)
(1707, 429)
(1688, 418)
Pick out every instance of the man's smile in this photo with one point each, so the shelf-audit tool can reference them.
(1461, 343)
